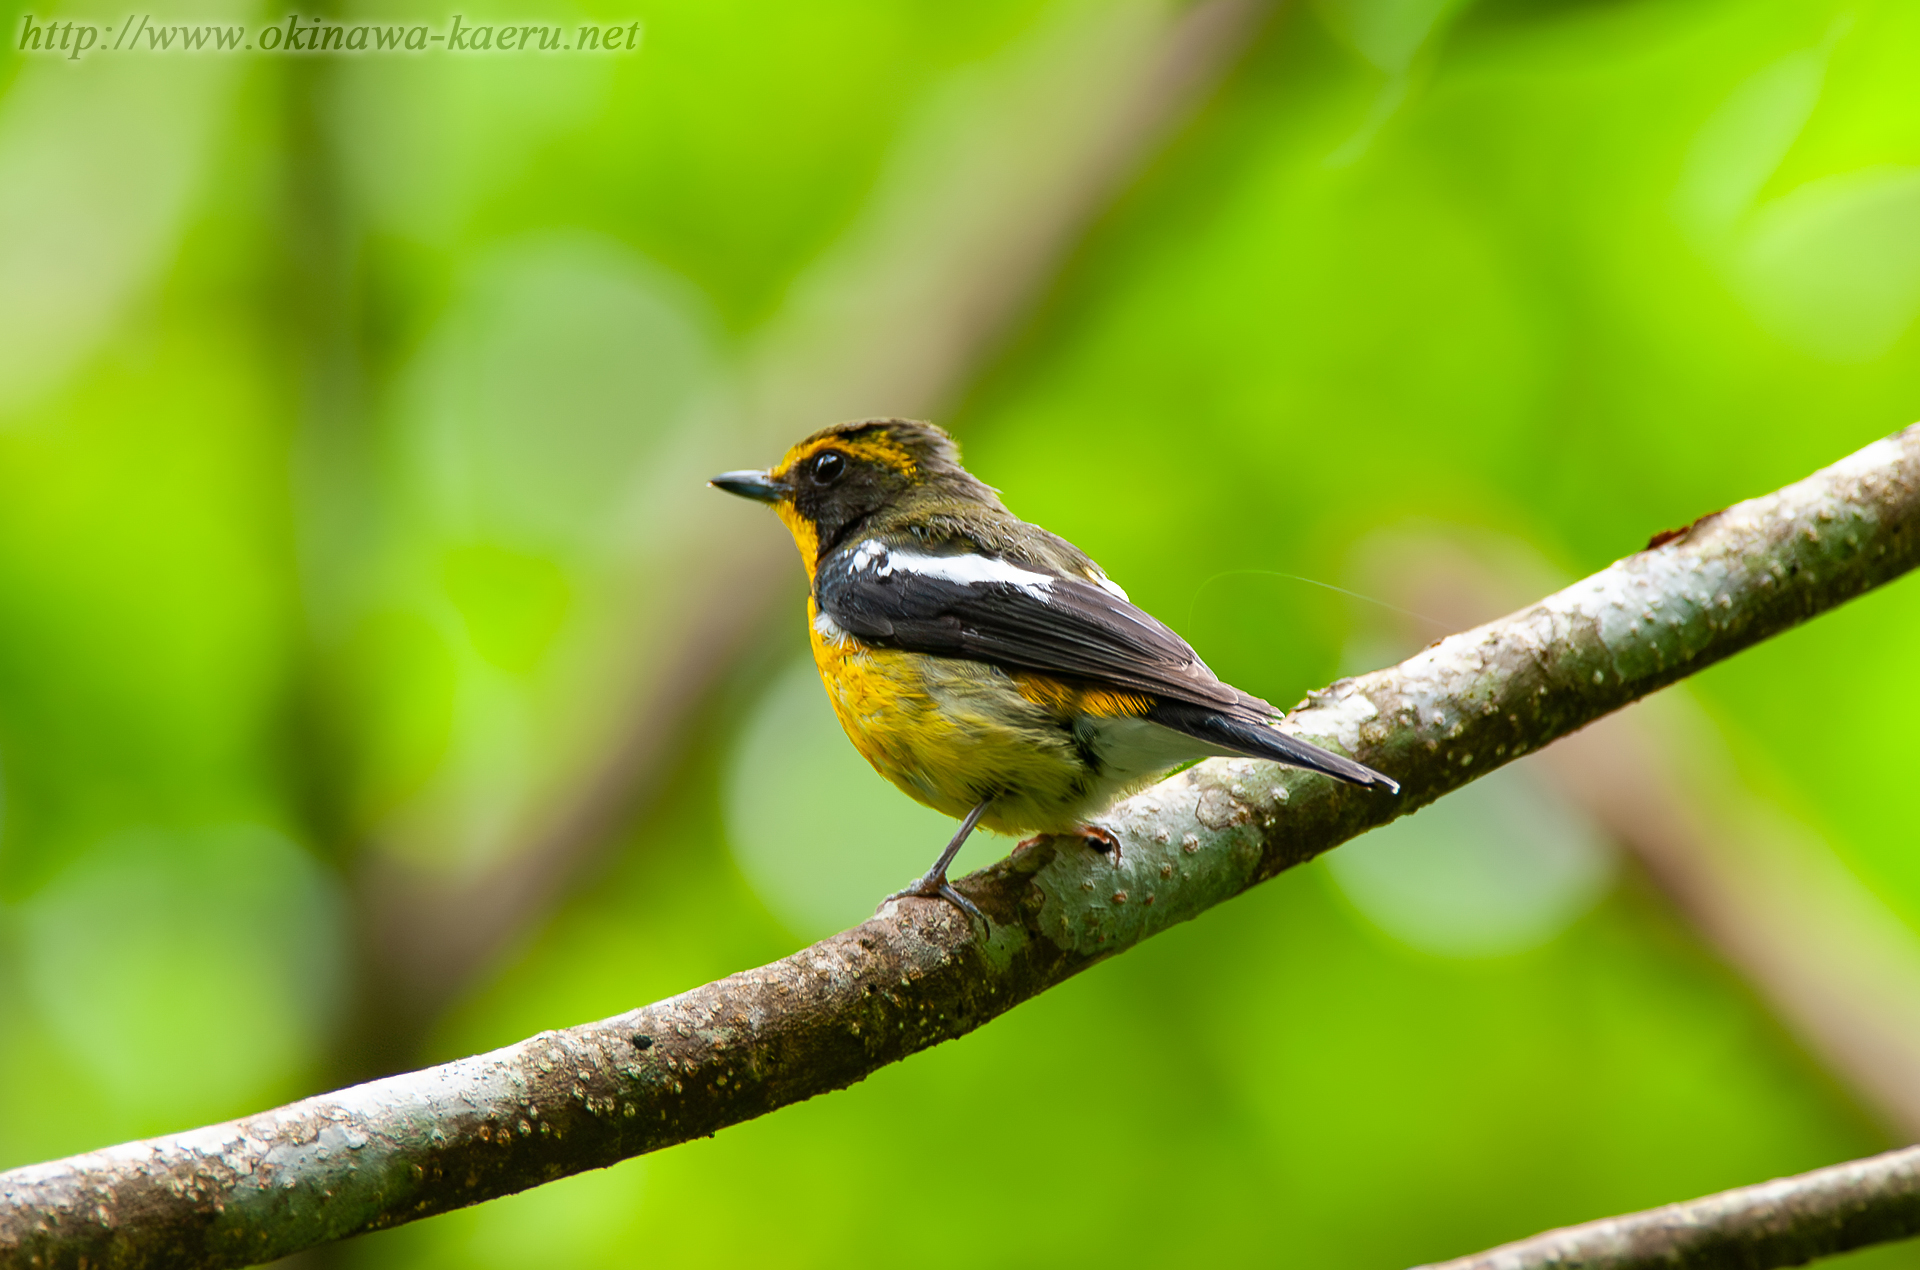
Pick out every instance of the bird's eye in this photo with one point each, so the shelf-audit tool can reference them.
(828, 467)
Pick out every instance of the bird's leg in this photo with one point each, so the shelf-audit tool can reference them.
(934, 885)
(1105, 841)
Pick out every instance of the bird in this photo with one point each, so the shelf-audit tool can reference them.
(988, 668)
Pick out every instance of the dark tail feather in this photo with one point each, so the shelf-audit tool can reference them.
(1258, 740)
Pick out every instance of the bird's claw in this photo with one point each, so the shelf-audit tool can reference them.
(1105, 841)
(937, 889)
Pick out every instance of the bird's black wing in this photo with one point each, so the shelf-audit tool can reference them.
(1018, 616)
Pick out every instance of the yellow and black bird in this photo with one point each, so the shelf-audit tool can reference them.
(985, 666)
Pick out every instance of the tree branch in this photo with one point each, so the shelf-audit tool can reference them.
(1786, 1222)
(561, 1102)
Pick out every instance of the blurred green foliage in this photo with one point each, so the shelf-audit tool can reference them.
(336, 482)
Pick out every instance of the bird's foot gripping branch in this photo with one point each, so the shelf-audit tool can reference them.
(919, 973)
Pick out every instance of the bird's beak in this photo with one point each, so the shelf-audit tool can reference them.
(759, 486)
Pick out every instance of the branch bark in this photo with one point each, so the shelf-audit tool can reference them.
(1786, 1222)
(392, 1150)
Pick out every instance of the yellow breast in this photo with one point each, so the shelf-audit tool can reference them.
(951, 732)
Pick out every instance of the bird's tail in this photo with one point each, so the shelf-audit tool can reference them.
(1260, 740)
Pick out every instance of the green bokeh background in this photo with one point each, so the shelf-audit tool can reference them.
(305, 533)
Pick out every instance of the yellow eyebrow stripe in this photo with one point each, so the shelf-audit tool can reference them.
(878, 449)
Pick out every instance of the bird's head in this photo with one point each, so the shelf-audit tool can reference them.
(836, 480)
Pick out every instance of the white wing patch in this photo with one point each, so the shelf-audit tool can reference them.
(1107, 584)
(966, 570)
(870, 556)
